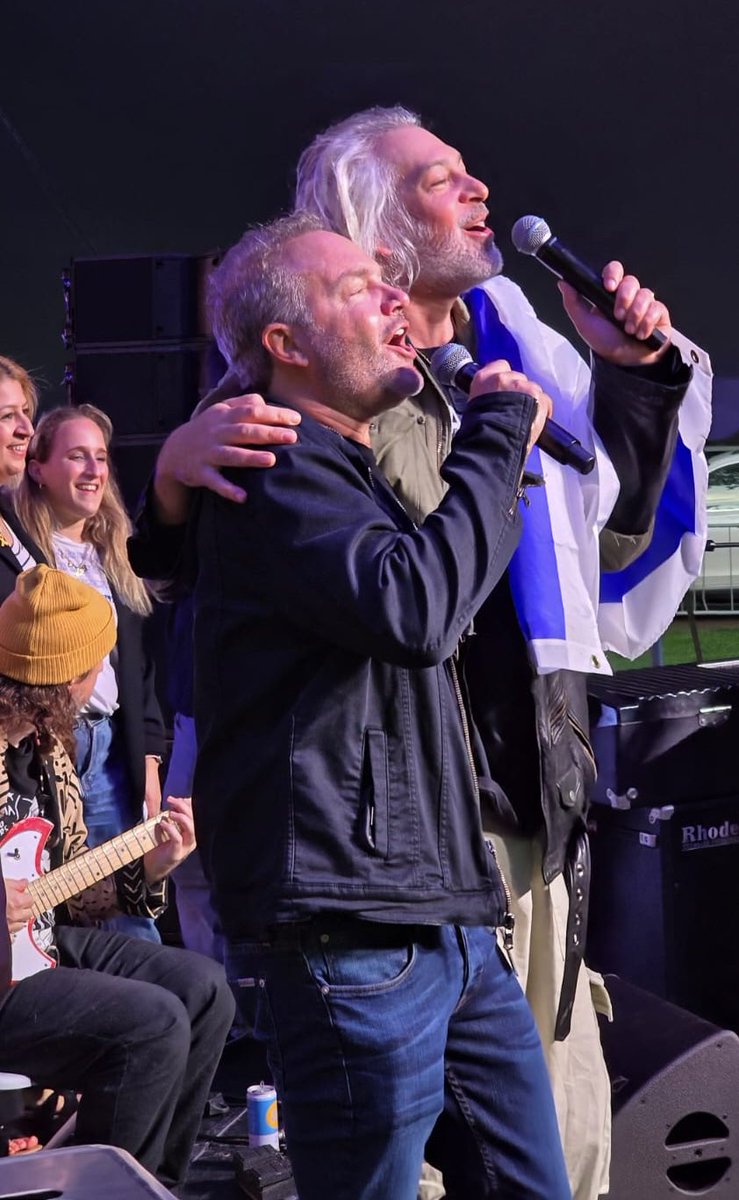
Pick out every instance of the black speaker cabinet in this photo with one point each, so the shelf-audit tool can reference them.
(675, 1084)
(138, 298)
(79, 1173)
(146, 392)
(664, 902)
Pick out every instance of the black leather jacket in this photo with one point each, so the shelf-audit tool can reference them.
(534, 728)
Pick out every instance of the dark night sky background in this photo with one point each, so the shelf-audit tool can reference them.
(151, 126)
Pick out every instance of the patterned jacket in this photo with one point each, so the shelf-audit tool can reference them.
(124, 892)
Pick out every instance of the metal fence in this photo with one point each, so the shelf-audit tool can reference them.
(716, 590)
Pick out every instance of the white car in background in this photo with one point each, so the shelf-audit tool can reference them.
(719, 577)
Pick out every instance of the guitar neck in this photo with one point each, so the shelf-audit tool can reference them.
(89, 868)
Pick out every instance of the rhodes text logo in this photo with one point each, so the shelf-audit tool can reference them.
(703, 836)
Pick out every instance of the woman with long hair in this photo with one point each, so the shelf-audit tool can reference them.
(18, 403)
(70, 504)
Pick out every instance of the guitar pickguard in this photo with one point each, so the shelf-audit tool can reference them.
(20, 858)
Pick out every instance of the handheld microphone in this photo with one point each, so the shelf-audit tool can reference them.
(453, 366)
(532, 235)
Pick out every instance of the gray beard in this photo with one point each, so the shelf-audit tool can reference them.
(448, 268)
(354, 378)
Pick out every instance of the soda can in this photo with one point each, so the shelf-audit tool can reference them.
(261, 1116)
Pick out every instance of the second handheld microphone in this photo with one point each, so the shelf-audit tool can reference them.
(453, 366)
(532, 235)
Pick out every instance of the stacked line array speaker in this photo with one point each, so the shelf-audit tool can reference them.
(675, 1083)
(142, 351)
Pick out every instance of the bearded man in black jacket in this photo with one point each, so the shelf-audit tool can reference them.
(336, 790)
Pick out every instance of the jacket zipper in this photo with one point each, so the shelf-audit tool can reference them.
(520, 492)
(384, 492)
(509, 921)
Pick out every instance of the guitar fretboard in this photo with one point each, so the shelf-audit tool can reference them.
(82, 872)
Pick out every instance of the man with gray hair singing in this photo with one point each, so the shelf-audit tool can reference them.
(336, 788)
(407, 198)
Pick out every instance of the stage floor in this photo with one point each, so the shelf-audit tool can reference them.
(212, 1173)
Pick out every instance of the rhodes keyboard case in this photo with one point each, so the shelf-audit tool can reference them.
(664, 899)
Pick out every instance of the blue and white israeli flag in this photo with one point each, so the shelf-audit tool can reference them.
(571, 612)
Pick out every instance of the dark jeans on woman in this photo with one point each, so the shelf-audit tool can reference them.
(109, 806)
(138, 1029)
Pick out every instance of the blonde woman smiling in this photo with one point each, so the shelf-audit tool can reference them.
(69, 503)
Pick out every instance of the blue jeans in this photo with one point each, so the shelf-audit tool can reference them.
(378, 1035)
(107, 802)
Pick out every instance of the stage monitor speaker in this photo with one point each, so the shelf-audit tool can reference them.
(664, 894)
(675, 1084)
(79, 1173)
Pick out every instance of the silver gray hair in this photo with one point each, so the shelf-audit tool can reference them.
(251, 287)
(344, 182)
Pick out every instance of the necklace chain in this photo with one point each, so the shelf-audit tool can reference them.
(75, 566)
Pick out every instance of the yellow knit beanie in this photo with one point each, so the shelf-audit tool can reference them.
(53, 628)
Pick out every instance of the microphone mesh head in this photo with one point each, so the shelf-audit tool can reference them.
(529, 234)
(446, 361)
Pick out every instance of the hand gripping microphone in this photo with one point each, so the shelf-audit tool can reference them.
(453, 367)
(532, 235)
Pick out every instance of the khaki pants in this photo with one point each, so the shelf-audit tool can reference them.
(580, 1083)
(582, 1090)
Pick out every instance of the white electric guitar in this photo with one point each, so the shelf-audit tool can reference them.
(20, 858)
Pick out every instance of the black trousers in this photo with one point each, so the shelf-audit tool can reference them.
(137, 1028)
